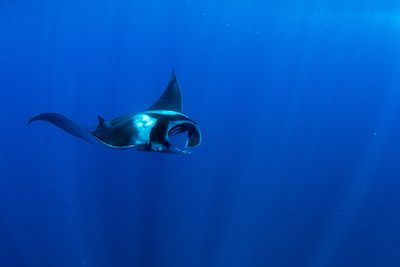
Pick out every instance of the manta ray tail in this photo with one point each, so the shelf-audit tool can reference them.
(67, 125)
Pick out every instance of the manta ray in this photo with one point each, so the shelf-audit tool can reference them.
(149, 130)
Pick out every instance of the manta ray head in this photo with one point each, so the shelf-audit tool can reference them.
(169, 124)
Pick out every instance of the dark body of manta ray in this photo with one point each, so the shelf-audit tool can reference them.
(146, 131)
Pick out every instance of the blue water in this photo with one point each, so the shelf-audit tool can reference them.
(298, 102)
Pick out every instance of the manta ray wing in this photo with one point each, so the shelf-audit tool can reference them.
(67, 125)
(171, 99)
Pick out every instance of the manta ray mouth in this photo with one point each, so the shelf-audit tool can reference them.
(182, 142)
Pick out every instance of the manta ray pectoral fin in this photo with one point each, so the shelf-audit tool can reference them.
(171, 99)
(67, 125)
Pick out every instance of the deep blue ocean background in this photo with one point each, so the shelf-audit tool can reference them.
(299, 106)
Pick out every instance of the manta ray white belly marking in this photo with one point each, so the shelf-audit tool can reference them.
(146, 131)
(143, 124)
